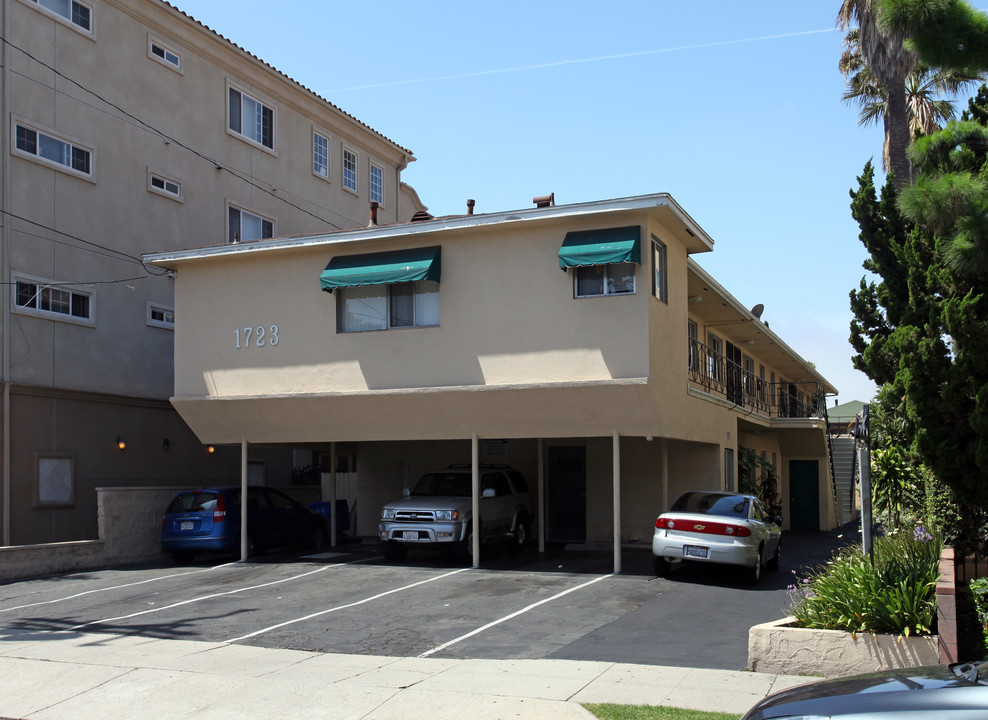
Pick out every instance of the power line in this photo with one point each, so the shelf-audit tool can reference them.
(216, 163)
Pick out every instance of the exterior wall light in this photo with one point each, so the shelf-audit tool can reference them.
(210, 449)
(121, 443)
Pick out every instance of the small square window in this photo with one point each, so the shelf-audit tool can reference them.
(251, 119)
(164, 186)
(161, 316)
(163, 54)
(56, 484)
(246, 226)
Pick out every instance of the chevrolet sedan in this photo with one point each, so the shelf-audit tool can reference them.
(718, 527)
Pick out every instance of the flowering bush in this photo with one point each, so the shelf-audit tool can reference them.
(896, 594)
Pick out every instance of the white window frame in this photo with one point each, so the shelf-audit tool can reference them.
(261, 105)
(322, 171)
(161, 185)
(38, 299)
(351, 175)
(168, 57)
(167, 320)
(35, 156)
(66, 17)
(51, 470)
(262, 218)
(376, 189)
(421, 288)
(660, 270)
(605, 285)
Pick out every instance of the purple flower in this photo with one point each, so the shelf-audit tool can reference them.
(920, 534)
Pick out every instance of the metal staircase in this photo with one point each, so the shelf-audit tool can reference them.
(842, 448)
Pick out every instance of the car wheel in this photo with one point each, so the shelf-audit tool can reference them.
(754, 573)
(394, 551)
(521, 536)
(773, 563)
(464, 548)
(661, 566)
(319, 537)
(183, 557)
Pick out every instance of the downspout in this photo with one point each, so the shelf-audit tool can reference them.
(5, 288)
(616, 467)
(475, 492)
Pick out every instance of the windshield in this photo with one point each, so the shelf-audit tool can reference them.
(440, 483)
(735, 506)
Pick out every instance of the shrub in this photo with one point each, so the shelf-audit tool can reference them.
(979, 593)
(896, 594)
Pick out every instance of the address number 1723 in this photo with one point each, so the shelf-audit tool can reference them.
(259, 336)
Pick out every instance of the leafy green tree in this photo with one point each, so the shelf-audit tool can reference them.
(945, 33)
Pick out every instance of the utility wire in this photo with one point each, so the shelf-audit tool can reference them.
(216, 163)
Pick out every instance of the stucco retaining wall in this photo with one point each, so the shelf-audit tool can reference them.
(129, 521)
(777, 647)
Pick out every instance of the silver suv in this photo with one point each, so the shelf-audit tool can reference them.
(438, 510)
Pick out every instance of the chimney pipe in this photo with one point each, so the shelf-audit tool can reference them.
(543, 201)
(470, 204)
(373, 213)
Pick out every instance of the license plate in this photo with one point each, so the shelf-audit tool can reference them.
(188, 525)
(410, 535)
(696, 551)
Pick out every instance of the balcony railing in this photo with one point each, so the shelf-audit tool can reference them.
(714, 373)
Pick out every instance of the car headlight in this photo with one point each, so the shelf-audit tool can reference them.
(388, 514)
(447, 515)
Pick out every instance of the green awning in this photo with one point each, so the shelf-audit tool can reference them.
(394, 266)
(601, 247)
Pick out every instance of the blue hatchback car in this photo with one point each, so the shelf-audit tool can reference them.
(208, 520)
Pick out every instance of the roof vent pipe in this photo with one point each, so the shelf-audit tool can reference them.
(373, 213)
(543, 201)
(470, 204)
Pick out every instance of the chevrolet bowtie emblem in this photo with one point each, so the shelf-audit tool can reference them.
(699, 527)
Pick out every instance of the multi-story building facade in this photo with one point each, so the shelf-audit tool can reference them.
(581, 344)
(130, 127)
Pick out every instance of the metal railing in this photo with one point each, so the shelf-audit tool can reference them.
(714, 373)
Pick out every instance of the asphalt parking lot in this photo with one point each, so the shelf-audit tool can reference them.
(562, 604)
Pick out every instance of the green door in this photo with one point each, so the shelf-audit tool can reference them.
(804, 494)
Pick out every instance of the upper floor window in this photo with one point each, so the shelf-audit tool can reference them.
(377, 184)
(158, 51)
(349, 169)
(612, 279)
(660, 280)
(163, 186)
(251, 118)
(246, 226)
(52, 150)
(47, 299)
(161, 316)
(76, 13)
(384, 307)
(715, 357)
(320, 155)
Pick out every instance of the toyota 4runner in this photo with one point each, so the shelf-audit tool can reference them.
(437, 511)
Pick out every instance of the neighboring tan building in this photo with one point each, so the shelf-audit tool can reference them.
(579, 343)
(130, 127)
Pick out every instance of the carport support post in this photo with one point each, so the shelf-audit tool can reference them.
(475, 491)
(243, 500)
(541, 495)
(616, 455)
(332, 494)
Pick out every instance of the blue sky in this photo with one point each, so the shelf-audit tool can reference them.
(732, 108)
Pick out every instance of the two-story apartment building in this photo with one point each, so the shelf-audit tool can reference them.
(579, 343)
(130, 127)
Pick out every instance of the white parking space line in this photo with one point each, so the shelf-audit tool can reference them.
(114, 587)
(202, 598)
(515, 614)
(344, 607)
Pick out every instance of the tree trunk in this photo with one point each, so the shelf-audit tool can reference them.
(898, 131)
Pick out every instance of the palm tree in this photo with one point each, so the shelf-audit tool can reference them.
(889, 63)
(926, 110)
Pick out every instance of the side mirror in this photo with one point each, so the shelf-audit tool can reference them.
(777, 520)
(406, 492)
(488, 492)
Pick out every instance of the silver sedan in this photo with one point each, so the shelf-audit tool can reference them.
(718, 527)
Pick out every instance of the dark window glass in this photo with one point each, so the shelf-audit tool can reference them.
(27, 295)
(80, 160)
(712, 504)
(80, 306)
(267, 127)
(27, 140)
(234, 233)
(80, 15)
(267, 228)
(402, 305)
(234, 110)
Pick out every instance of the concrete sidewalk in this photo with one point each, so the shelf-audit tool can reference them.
(81, 676)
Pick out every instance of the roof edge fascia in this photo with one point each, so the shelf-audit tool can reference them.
(459, 222)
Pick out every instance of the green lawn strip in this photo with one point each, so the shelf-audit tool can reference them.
(610, 711)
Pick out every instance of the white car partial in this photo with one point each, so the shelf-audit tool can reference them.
(718, 527)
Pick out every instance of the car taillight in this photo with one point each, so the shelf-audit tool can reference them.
(219, 513)
(706, 528)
